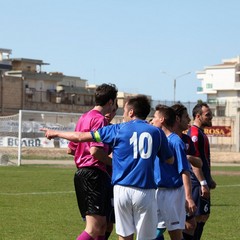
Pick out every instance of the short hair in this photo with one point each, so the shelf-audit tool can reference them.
(141, 106)
(179, 109)
(168, 114)
(198, 109)
(104, 93)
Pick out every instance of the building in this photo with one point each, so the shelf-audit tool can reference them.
(4, 59)
(121, 97)
(221, 84)
(25, 86)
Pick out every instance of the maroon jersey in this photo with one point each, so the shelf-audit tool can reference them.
(202, 148)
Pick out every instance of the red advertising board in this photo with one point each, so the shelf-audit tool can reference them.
(218, 131)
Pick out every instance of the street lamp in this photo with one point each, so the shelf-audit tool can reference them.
(175, 82)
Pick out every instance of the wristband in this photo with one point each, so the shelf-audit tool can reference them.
(203, 182)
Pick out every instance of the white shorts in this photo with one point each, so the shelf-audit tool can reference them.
(171, 208)
(135, 212)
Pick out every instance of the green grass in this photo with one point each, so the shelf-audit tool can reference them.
(38, 202)
(226, 168)
(34, 157)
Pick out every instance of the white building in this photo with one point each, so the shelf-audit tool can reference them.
(221, 84)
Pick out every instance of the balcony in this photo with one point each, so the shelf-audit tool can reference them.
(216, 103)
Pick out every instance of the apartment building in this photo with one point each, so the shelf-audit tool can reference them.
(221, 84)
(25, 85)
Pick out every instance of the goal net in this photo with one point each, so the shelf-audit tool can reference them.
(22, 142)
(8, 132)
(21, 138)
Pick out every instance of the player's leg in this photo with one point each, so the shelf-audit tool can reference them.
(110, 214)
(161, 227)
(108, 230)
(202, 213)
(90, 185)
(145, 214)
(159, 234)
(190, 226)
(201, 220)
(175, 212)
(124, 225)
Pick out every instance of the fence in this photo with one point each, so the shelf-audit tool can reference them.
(24, 128)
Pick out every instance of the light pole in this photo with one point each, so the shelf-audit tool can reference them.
(175, 82)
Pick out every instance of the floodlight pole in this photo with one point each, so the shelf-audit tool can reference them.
(175, 82)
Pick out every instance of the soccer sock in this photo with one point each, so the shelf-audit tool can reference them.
(107, 235)
(198, 231)
(187, 236)
(100, 238)
(84, 236)
(160, 235)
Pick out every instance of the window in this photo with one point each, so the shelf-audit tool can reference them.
(220, 111)
(209, 85)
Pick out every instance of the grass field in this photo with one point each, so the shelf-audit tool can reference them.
(38, 202)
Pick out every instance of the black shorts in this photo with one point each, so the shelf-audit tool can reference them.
(203, 204)
(93, 191)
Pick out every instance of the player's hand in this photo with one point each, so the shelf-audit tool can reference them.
(205, 192)
(213, 184)
(190, 206)
(49, 134)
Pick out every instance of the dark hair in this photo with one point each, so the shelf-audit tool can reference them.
(198, 109)
(141, 106)
(168, 114)
(179, 109)
(104, 93)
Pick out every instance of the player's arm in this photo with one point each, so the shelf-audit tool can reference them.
(165, 153)
(70, 136)
(101, 155)
(205, 192)
(195, 161)
(213, 184)
(191, 207)
(191, 154)
(70, 152)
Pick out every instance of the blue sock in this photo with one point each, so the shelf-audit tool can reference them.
(159, 235)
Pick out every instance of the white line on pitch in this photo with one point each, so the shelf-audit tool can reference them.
(36, 193)
(48, 193)
(234, 185)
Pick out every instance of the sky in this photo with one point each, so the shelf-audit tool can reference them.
(139, 45)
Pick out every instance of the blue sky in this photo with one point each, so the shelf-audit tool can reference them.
(126, 42)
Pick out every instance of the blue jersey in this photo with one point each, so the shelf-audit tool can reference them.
(170, 174)
(189, 147)
(135, 146)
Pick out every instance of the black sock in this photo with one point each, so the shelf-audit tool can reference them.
(198, 231)
(187, 236)
(107, 235)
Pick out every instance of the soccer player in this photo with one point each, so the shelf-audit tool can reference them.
(135, 145)
(91, 180)
(174, 185)
(201, 179)
(111, 218)
(181, 125)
